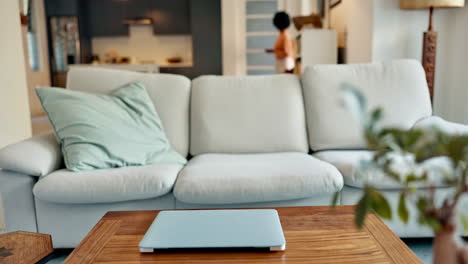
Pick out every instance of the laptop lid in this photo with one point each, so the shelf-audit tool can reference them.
(179, 229)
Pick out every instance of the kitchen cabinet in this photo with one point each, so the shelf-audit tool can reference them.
(62, 8)
(105, 18)
(169, 17)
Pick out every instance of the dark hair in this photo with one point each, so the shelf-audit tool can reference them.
(281, 20)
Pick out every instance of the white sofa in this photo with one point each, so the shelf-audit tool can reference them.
(251, 142)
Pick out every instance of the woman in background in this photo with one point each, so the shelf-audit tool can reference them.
(284, 45)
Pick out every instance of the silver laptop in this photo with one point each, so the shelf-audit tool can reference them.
(191, 229)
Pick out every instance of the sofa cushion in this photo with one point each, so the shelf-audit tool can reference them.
(98, 131)
(108, 185)
(170, 95)
(399, 87)
(352, 166)
(249, 178)
(253, 114)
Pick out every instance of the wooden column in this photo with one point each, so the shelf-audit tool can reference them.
(429, 55)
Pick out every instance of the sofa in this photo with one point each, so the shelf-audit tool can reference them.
(252, 141)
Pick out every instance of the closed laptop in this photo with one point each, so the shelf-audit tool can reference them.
(191, 229)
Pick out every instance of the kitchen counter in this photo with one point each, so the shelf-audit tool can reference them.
(148, 68)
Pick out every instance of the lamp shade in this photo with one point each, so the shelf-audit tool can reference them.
(423, 4)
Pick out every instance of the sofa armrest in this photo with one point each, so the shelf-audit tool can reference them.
(36, 156)
(442, 125)
(17, 210)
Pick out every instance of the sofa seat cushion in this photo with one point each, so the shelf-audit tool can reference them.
(435, 122)
(108, 185)
(249, 178)
(352, 166)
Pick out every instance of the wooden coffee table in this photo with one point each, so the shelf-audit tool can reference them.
(25, 247)
(313, 235)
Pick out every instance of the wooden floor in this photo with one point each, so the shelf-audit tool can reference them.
(313, 235)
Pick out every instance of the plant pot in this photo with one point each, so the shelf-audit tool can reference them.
(448, 248)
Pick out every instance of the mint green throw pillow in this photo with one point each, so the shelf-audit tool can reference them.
(99, 131)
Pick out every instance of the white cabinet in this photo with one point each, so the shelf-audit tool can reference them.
(317, 46)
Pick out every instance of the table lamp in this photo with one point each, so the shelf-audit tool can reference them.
(430, 36)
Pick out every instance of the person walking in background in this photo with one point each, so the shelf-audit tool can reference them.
(284, 45)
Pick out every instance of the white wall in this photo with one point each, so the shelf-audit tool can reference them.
(298, 7)
(145, 46)
(40, 77)
(359, 36)
(378, 30)
(339, 21)
(233, 37)
(399, 34)
(354, 21)
(455, 67)
(15, 121)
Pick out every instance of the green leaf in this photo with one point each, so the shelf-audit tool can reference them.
(464, 221)
(403, 213)
(411, 178)
(354, 101)
(375, 117)
(413, 137)
(430, 221)
(433, 223)
(457, 148)
(421, 204)
(336, 196)
(380, 205)
(413, 189)
(361, 210)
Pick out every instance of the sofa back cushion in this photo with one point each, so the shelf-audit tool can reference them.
(170, 95)
(251, 114)
(399, 87)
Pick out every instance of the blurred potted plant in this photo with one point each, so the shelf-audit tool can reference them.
(419, 146)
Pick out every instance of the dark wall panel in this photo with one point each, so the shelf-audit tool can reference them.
(206, 35)
(62, 8)
(205, 22)
(85, 37)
